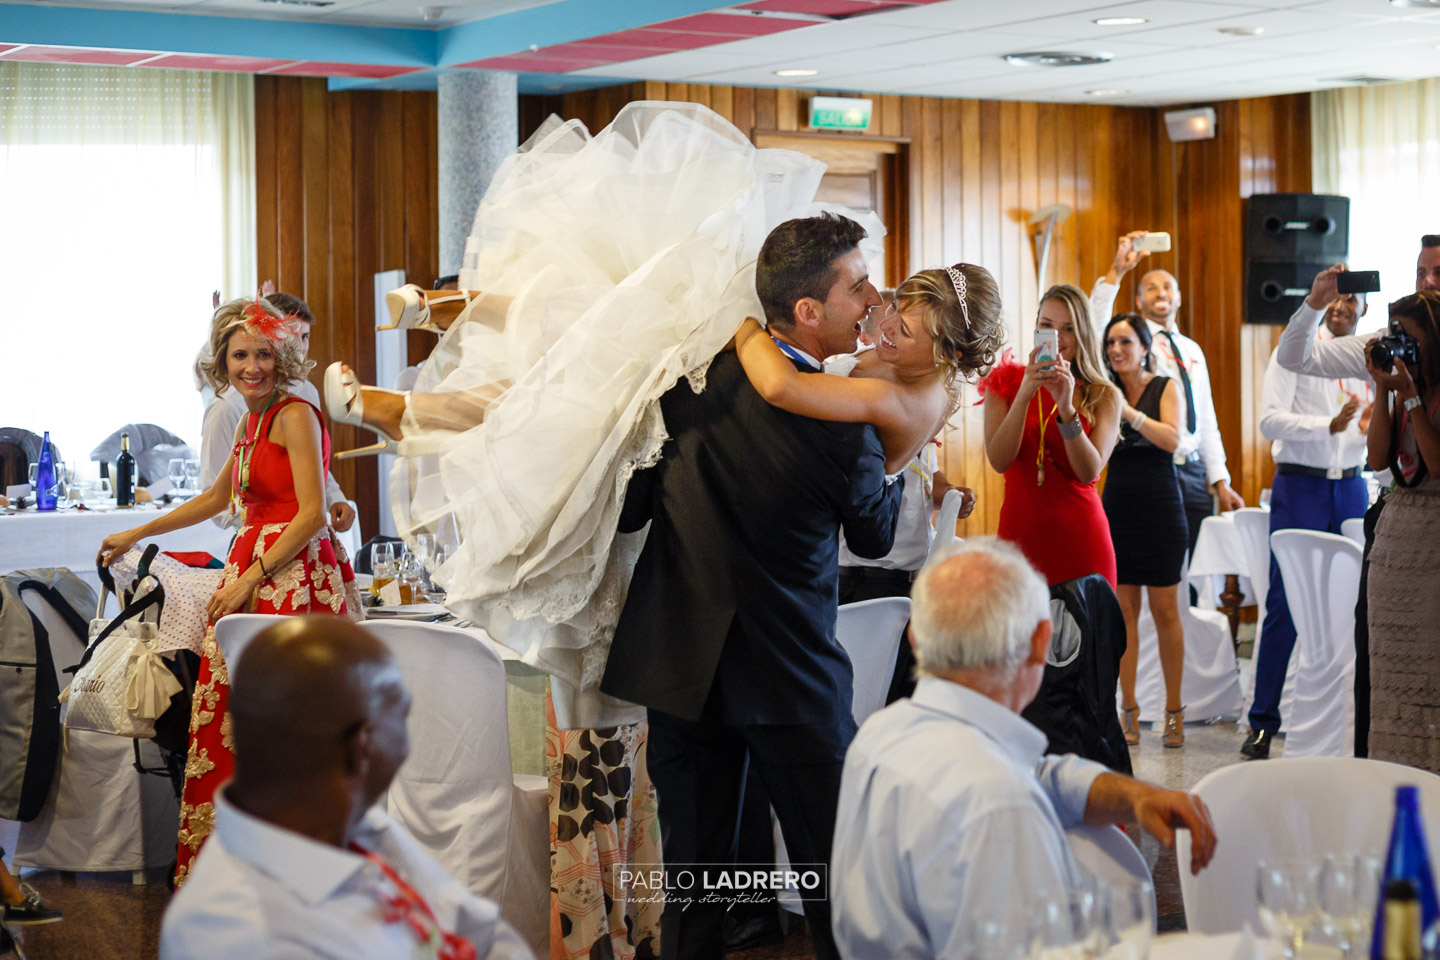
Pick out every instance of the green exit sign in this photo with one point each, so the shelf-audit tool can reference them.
(839, 113)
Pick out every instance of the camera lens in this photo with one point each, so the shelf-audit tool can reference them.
(1380, 354)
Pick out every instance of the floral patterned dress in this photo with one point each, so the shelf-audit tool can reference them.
(318, 580)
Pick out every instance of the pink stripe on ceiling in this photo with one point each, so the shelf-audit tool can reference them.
(177, 61)
(7, 46)
(828, 8)
(107, 58)
(731, 25)
(605, 52)
(315, 68)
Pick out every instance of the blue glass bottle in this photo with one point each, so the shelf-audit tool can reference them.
(45, 477)
(1408, 858)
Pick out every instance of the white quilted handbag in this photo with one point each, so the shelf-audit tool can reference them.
(121, 684)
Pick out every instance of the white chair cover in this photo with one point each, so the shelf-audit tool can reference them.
(456, 793)
(102, 814)
(1322, 580)
(1210, 685)
(945, 520)
(1108, 855)
(1354, 528)
(1290, 810)
(234, 632)
(1254, 526)
(871, 632)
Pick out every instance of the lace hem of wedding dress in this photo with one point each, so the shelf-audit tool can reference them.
(628, 258)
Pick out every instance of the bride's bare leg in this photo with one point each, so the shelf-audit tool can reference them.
(451, 411)
(490, 310)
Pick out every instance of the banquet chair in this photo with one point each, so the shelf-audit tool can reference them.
(1253, 523)
(1297, 810)
(456, 793)
(234, 632)
(1354, 528)
(871, 632)
(945, 520)
(102, 814)
(1108, 855)
(1211, 678)
(1321, 572)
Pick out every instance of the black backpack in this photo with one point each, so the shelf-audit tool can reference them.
(1075, 707)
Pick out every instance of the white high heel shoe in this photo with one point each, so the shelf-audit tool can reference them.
(409, 309)
(344, 403)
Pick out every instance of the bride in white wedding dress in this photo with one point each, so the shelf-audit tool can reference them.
(611, 266)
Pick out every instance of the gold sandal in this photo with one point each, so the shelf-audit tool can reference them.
(1130, 724)
(1174, 728)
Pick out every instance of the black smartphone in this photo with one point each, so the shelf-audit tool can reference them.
(1358, 281)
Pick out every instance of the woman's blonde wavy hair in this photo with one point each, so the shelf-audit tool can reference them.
(966, 341)
(1089, 371)
(223, 326)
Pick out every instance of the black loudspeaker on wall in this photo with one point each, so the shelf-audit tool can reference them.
(1289, 238)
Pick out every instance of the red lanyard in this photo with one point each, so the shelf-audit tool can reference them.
(407, 906)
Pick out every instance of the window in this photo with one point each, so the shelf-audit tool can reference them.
(127, 197)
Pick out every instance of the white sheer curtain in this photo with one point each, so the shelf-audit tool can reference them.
(128, 197)
(1380, 146)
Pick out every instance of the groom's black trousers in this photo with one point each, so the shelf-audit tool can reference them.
(699, 767)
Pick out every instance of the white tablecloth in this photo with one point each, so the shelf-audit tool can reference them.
(71, 538)
(1222, 946)
(1218, 553)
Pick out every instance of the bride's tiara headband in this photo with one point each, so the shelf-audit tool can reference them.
(957, 279)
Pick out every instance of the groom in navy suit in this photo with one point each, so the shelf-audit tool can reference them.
(728, 633)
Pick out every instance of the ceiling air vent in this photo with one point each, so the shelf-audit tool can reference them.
(301, 3)
(1053, 58)
(1364, 79)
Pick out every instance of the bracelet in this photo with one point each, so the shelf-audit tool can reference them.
(261, 560)
(1070, 430)
(1138, 420)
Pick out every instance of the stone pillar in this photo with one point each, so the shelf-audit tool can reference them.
(479, 128)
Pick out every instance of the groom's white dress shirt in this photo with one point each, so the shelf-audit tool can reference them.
(261, 892)
(949, 812)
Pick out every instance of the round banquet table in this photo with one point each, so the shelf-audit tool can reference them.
(30, 539)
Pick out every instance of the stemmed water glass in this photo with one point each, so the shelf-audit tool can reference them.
(177, 473)
(1068, 926)
(192, 474)
(382, 565)
(1128, 919)
(1288, 895)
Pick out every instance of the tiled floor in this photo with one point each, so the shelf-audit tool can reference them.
(108, 918)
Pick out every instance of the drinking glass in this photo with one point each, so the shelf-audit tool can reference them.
(62, 487)
(34, 474)
(107, 492)
(1066, 927)
(1128, 919)
(1288, 897)
(411, 575)
(192, 474)
(177, 473)
(1009, 936)
(1339, 896)
(382, 565)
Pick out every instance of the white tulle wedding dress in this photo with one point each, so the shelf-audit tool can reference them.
(629, 256)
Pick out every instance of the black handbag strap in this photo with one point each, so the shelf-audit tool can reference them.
(155, 598)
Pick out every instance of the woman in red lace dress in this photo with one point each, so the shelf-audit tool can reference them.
(284, 560)
(1050, 432)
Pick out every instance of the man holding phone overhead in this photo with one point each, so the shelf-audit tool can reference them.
(1200, 457)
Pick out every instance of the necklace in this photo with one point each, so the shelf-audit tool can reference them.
(1040, 454)
(240, 479)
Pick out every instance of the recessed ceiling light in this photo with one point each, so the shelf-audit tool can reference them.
(1242, 31)
(796, 73)
(1105, 93)
(1119, 21)
(1055, 58)
(1431, 4)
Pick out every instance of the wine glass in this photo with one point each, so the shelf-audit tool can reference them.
(34, 474)
(176, 473)
(107, 492)
(1288, 898)
(1008, 936)
(411, 574)
(382, 565)
(192, 474)
(61, 489)
(1128, 919)
(1066, 927)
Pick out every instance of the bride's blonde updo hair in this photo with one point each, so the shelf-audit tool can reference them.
(967, 336)
(257, 318)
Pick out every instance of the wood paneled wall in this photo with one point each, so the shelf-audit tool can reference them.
(345, 187)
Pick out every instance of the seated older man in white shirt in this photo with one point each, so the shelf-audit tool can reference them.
(302, 864)
(949, 810)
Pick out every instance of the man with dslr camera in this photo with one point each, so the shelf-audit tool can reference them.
(1300, 352)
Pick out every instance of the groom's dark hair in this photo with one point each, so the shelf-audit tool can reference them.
(797, 261)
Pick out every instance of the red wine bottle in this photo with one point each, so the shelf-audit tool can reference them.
(125, 474)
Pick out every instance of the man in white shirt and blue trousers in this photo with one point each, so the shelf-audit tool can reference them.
(1317, 425)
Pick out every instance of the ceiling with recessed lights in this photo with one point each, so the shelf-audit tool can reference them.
(1141, 52)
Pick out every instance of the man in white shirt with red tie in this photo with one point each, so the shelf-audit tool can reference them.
(1200, 457)
(1317, 425)
(303, 864)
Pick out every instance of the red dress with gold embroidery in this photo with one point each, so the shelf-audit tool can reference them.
(318, 580)
(1059, 524)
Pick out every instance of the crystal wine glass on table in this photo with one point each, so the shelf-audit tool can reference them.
(176, 473)
(192, 474)
(1128, 919)
(382, 565)
(1288, 896)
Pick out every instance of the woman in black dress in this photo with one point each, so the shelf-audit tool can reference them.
(1147, 517)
